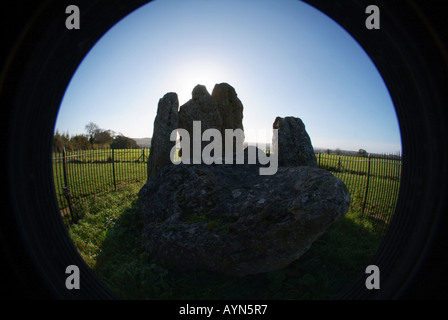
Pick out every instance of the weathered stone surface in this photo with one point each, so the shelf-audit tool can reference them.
(294, 143)
(229, 105)
(229, 219)
(231, 110)
(164, 123)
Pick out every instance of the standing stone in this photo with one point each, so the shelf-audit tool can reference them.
(294, 144)
(230, 109)
(201, 107)
(229, 106)
(164, 123)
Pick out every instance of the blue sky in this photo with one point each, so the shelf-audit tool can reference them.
(283, 57)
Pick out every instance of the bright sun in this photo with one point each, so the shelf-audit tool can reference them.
(197, 72)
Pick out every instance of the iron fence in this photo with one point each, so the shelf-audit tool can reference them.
(373, 180)
(79, 175)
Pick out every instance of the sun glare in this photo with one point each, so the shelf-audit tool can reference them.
(192, 73)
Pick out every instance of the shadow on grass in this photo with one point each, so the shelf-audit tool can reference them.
(333, 262)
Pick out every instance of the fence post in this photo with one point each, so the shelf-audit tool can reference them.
(113, 168)
(66, 189)
(367, 187)
(319, 160)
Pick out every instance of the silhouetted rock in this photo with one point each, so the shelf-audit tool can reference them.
(294, 143)
(201, 107)
(164, 123)
(230, 219)
(230, 108)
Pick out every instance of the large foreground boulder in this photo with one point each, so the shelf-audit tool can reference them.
(230, 219)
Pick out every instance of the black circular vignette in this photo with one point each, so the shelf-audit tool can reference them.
(42, 56)
(410, 56)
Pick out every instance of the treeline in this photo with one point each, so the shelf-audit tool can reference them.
(95, 138)
(359, 153)
(339, 152)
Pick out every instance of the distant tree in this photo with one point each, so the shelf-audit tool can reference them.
(80, 142)
(92, 130)
(97, 136)
(58, 143)
(338, 151)
(67, 143)
(61, 141)
(362, 153)
(122, 142)
(103, 137)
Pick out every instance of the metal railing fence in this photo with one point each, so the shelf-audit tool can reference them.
(79, 175)
(373, 180)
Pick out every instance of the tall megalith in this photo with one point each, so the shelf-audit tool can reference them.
(294, 144)
(230, 108)
(165, 122)
(201, 107)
